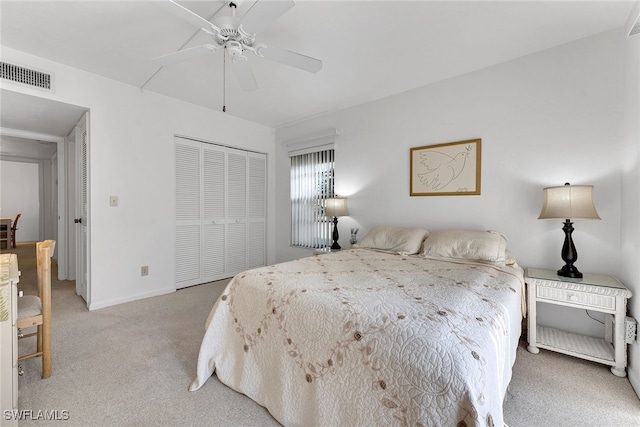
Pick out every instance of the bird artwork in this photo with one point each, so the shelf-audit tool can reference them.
(442, 169)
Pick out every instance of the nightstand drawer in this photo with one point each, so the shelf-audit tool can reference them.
(576, 297)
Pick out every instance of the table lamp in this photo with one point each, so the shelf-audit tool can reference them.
(569, 202)
(335, 207)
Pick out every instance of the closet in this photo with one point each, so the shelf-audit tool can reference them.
(220, 211)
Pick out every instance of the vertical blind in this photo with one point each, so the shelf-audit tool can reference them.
(312, 182)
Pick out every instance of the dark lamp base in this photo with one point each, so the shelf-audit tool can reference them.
(335, 245)
(569, 253)
(570, 271)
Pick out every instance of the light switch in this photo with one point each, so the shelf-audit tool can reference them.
(113, 201)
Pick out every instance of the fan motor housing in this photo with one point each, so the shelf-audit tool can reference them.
(229, 30)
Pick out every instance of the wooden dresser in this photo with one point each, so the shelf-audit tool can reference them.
(9, 276)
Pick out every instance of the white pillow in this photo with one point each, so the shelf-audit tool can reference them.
(400, 240)
(510, 258)
(473, 245)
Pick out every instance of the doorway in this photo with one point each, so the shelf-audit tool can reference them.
(40, 121)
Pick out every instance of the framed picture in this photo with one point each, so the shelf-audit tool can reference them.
(451, 169)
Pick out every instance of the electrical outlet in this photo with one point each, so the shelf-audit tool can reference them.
(630, 330)
(144, 270)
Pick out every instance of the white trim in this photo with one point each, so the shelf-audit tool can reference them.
(61, 235)
(134, 297)
(17, 133)
(204, 141)
(325, 140)
(634, 379)
(313, 149)
(20, 159)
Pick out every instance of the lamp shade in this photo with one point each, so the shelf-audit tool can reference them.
(336, 206)
(568, 202)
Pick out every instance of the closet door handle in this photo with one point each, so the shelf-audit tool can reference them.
(78, 220)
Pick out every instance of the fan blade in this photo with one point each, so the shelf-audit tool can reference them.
(186, 15)
(183, 55)
(245, 74)
(262, 14)
(287, 57)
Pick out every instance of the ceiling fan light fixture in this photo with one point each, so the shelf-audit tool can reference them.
(234, 48)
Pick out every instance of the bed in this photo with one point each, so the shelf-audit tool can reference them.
(407, 328)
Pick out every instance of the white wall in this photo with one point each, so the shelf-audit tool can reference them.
(20, 193)
(131, 155)
(544, 119)
(630, 241)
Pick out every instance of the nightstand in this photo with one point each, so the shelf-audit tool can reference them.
(595, 292)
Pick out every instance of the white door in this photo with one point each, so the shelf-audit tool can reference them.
(214, 224)
(69, 227)
(257, 211)
(81, 209)
(236, 212)
(188, 232)
(220, 198)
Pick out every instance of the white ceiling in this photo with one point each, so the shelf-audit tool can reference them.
(369, 49)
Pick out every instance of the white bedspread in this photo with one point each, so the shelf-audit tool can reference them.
(365, 338)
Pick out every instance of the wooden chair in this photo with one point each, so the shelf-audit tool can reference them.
(14, 228)
(35, 310)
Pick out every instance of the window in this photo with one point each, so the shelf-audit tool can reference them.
(312, 182)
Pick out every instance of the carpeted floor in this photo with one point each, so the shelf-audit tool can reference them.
(131, 365)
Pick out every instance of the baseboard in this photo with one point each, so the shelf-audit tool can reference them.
(130, 298)
(634, 379)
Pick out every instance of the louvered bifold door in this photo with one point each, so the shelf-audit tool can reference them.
(257, 207)
(220, 211)
(188, 232)
(214, 222)
(236, 211)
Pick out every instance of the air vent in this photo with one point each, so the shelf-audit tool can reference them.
(26, 76)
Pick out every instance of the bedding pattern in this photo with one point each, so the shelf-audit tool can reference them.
(362, 337)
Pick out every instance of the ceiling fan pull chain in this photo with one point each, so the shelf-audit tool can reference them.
(224, 82)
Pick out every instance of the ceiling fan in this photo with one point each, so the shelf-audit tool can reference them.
(238, 36)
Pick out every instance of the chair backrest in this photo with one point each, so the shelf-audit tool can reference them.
(14, 226)
(37, 311)
(44, 252)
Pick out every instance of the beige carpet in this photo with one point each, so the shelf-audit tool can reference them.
(131, 365)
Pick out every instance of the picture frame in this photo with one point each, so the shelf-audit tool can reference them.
(449, 169)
